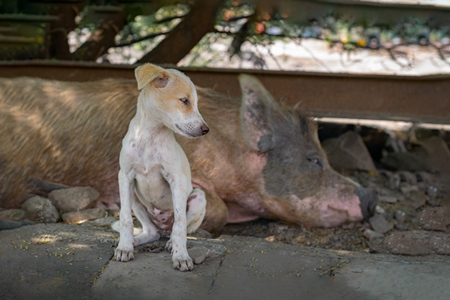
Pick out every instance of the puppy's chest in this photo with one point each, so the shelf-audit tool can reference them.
(150, 181)
(144, 155)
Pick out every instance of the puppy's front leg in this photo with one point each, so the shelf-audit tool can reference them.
(124, 251)
(178, 237)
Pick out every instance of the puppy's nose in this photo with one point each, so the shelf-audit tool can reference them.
(205, 129)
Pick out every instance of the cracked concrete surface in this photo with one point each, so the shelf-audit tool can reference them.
(58, 261)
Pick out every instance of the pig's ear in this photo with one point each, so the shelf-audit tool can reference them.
(257, 107)
(150, 73)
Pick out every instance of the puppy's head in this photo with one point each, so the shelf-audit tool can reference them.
(171, 97)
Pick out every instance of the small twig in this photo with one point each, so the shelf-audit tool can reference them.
(315, 58)
(440, 51)
(168, 19)
(274, 58)
(149, 36)
(234, 19)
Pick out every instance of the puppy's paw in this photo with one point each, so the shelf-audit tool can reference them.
(169, 246)
(124, 253)
(182, 263)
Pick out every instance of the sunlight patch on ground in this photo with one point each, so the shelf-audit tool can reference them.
(45, 239)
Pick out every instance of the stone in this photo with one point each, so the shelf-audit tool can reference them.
(424, 177)
(40, 209)
(12, 214)
(408, 243)
(379, 223)
(440, 244)
(348, 152)
(386, 173)
(408, 177)
(379, 210)
(416, 199)
(413, 243)
(406, 189)
(399, 215)
(401, 227)
(429, 155)
(438, 154)
(9, 224)
(394, 182)
(435, 218)
(371, 235)
(432, 192)
(433, 203)
(422, 186)
(73, 199)
(405, 161)
(198, 254)
(78, 217)
(387, 198)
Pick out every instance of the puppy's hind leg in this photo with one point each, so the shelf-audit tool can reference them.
(196, 210)
(149, 231)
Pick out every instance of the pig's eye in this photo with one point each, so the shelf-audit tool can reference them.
(315, 161)
(185, 101)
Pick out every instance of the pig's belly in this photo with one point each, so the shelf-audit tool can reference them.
(238, 214)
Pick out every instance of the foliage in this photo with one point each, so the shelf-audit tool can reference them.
(243, 31)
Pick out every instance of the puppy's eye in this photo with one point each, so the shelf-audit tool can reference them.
(185, 101)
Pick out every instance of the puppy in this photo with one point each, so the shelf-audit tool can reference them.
(155, 176)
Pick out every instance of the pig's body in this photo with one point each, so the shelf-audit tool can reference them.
(259, 160)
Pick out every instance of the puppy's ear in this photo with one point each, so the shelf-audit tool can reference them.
(150, 73)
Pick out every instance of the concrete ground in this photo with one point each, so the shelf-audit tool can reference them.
(58, 261)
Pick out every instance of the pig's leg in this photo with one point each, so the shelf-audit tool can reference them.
(196, 210)
(216, 213)
(38, 185)
(149, 230)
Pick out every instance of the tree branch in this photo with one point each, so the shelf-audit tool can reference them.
(66, 12)
(149, 36)
(198, 22)
(102, 38)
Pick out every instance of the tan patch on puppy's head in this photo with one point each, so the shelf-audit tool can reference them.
(151, 74)
(178, 96)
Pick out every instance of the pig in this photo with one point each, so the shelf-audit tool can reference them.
(261, 158)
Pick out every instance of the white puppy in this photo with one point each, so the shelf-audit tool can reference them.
(155, 176)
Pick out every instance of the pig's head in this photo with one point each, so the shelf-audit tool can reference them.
(171, 98)
(299, 184)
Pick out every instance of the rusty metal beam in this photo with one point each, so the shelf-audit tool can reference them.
(406, 98)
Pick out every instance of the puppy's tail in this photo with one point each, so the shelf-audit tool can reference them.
(116, 227)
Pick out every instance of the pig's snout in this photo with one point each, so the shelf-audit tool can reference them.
(368, 200)
(205, 129)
